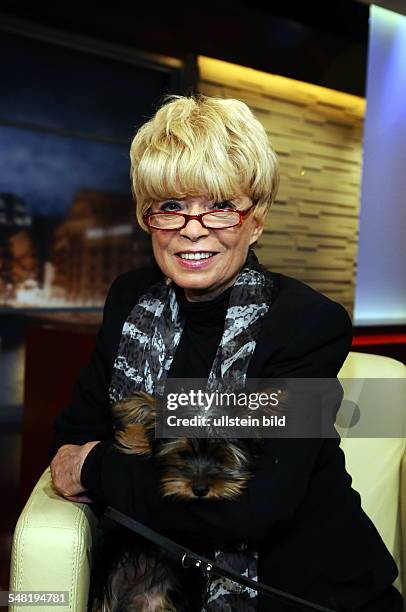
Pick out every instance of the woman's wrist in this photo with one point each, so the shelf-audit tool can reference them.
(91, 466)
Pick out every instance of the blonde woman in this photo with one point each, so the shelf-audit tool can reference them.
(204, 176)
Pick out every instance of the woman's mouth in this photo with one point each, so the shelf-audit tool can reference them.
(195, 259)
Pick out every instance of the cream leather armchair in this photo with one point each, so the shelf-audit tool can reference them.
(53, 537)
(378, 465)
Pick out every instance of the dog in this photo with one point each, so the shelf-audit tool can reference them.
(136, 575)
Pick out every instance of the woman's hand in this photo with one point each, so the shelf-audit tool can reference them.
(66, 467)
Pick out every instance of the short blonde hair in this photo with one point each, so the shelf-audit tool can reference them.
(201, 145)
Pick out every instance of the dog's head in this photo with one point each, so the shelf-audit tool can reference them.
(209, 468)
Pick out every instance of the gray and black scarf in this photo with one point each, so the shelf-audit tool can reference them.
(148, 344)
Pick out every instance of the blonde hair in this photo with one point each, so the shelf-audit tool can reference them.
(201, 145)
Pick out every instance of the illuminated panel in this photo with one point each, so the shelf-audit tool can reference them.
(381, 276)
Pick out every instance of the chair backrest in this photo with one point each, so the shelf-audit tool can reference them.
(375, 462)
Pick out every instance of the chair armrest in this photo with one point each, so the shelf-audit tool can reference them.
(52, 547)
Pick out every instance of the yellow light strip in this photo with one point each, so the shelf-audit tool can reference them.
(241, 77)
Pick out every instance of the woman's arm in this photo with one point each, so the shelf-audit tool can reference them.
(87, 419)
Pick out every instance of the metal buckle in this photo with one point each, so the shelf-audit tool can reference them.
(188, 562)
(185, 561)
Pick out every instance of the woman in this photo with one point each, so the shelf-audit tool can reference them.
(204, 176)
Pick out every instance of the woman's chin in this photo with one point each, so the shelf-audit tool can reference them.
(202, 289)
(196, 284)
(195, 274)
(201, 282)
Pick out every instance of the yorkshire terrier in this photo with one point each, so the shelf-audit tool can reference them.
(136, 575)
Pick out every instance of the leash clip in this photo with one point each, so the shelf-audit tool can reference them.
(188, 561)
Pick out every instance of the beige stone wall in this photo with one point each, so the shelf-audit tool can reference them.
(312, 230)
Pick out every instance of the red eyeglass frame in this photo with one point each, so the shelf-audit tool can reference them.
(242, 214)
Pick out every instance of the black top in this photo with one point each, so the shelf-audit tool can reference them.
(312, 536)
(204, 324)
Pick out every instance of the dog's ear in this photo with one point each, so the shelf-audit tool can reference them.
(134, 422)
(133, 440)
(138, 408)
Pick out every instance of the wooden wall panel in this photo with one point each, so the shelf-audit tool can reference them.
(312, 229)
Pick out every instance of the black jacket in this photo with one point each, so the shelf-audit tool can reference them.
(314, 540)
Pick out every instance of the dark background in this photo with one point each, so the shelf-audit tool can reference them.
(321, 43)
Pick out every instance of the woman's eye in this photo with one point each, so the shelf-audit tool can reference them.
(223, 205)
(170, 206)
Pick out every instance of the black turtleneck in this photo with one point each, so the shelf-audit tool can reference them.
(204, 324)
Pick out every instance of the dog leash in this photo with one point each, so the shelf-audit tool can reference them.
(189, 558)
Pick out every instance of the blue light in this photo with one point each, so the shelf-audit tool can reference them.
(381, 276)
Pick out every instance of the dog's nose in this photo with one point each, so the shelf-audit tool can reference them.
(200, 489)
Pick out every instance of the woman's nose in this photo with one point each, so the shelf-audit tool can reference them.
(194, 230)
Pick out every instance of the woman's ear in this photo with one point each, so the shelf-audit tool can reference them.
(256, 232)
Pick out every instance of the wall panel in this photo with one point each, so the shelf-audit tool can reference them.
(312, 230)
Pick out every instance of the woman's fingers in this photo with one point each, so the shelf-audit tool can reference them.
(66, 467)
(64, 470)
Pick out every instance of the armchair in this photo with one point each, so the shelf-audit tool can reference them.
(53, 537)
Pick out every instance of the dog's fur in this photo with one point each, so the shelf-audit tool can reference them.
(135, 574)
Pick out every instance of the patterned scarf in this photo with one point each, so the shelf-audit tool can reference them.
(147, 347)
(153, 329)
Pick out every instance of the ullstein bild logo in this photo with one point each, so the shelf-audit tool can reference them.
(226, 421)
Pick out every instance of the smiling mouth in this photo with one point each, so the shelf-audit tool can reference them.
(196, 256)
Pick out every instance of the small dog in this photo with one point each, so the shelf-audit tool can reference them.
(140, 576)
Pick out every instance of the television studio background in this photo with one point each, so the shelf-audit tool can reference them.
(329, 85)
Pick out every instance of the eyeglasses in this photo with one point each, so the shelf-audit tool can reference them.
(213, 219)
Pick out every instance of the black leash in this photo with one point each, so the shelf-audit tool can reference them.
(208, 567)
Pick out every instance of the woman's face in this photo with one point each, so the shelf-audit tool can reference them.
(204, 279)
